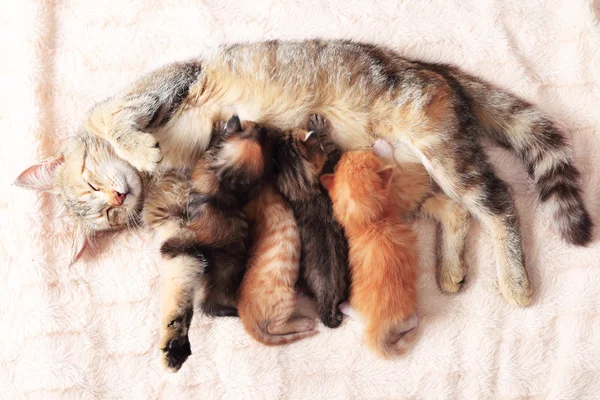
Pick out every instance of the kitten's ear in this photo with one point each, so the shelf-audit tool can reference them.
(386, 176)
(234, 124)
(327, 181)
(40, 176)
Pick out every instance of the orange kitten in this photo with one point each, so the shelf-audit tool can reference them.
(383, 259)
(267, 296)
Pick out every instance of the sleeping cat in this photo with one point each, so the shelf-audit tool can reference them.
(267, 296)
(300, 158)
(383, 255)
(438, 111)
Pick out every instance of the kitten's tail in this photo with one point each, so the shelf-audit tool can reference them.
(516, 124)
(303, 327)
(390, 339)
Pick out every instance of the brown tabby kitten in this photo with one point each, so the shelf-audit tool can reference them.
(300, 158)
(267, 296)
(204, 231)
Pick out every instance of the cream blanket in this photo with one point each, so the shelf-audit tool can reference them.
(90, 330)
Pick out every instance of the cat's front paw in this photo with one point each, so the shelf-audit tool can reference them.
(139, 149)
(318, 124)
(174, 342)
(175, 352)
(220, 126)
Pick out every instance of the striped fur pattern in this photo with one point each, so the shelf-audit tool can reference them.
(203, 231)
(267, 296)
(383, 250)
(301, 157)
(366, 92)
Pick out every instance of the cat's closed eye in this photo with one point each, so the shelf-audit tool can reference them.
(92, 186)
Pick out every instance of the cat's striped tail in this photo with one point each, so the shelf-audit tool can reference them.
(516, 124)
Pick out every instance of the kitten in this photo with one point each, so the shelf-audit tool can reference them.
(267, 296)
(204, 232)
(300, 158)
(383, 257)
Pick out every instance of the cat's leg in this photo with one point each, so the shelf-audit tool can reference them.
(183, 285)
(127, 119)
(460, 167)
(454, 222)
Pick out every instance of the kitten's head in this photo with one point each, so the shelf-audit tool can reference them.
(300, 159)
(240, 156)
(359, 188)
(99, 190)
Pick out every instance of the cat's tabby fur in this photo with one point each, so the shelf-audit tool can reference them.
(267, 296)
(300, 158)
(204, 232)
(365, 91)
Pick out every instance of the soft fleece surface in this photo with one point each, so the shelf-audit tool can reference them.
(89, 331)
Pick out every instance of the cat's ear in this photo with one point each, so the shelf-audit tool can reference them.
(234, 124)
(40, 176)
(80, 244)
(327, 181)
(386, 176)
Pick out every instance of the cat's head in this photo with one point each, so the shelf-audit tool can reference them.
(300, 158)
(358, 188)
(99, 190)
(240, 156)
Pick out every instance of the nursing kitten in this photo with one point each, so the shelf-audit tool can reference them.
(383, 250)
(267, 296)
(300, 158)
(437, 110)
(204, 232)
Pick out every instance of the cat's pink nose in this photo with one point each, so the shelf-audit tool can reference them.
(119, 197)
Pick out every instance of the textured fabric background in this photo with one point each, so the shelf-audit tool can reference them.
(90, 330)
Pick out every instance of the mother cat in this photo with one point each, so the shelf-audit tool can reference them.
(366, 92)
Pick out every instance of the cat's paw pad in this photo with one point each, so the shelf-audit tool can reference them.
(175, 352)
(317, 124)
(141, 150)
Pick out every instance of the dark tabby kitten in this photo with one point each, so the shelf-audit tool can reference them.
(300, 158)
(204, 244)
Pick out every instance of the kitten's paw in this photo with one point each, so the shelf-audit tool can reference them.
(516, 289)
(219, 126)
(451, 277)
(175, 352)
(318, 124)
(139, 149)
